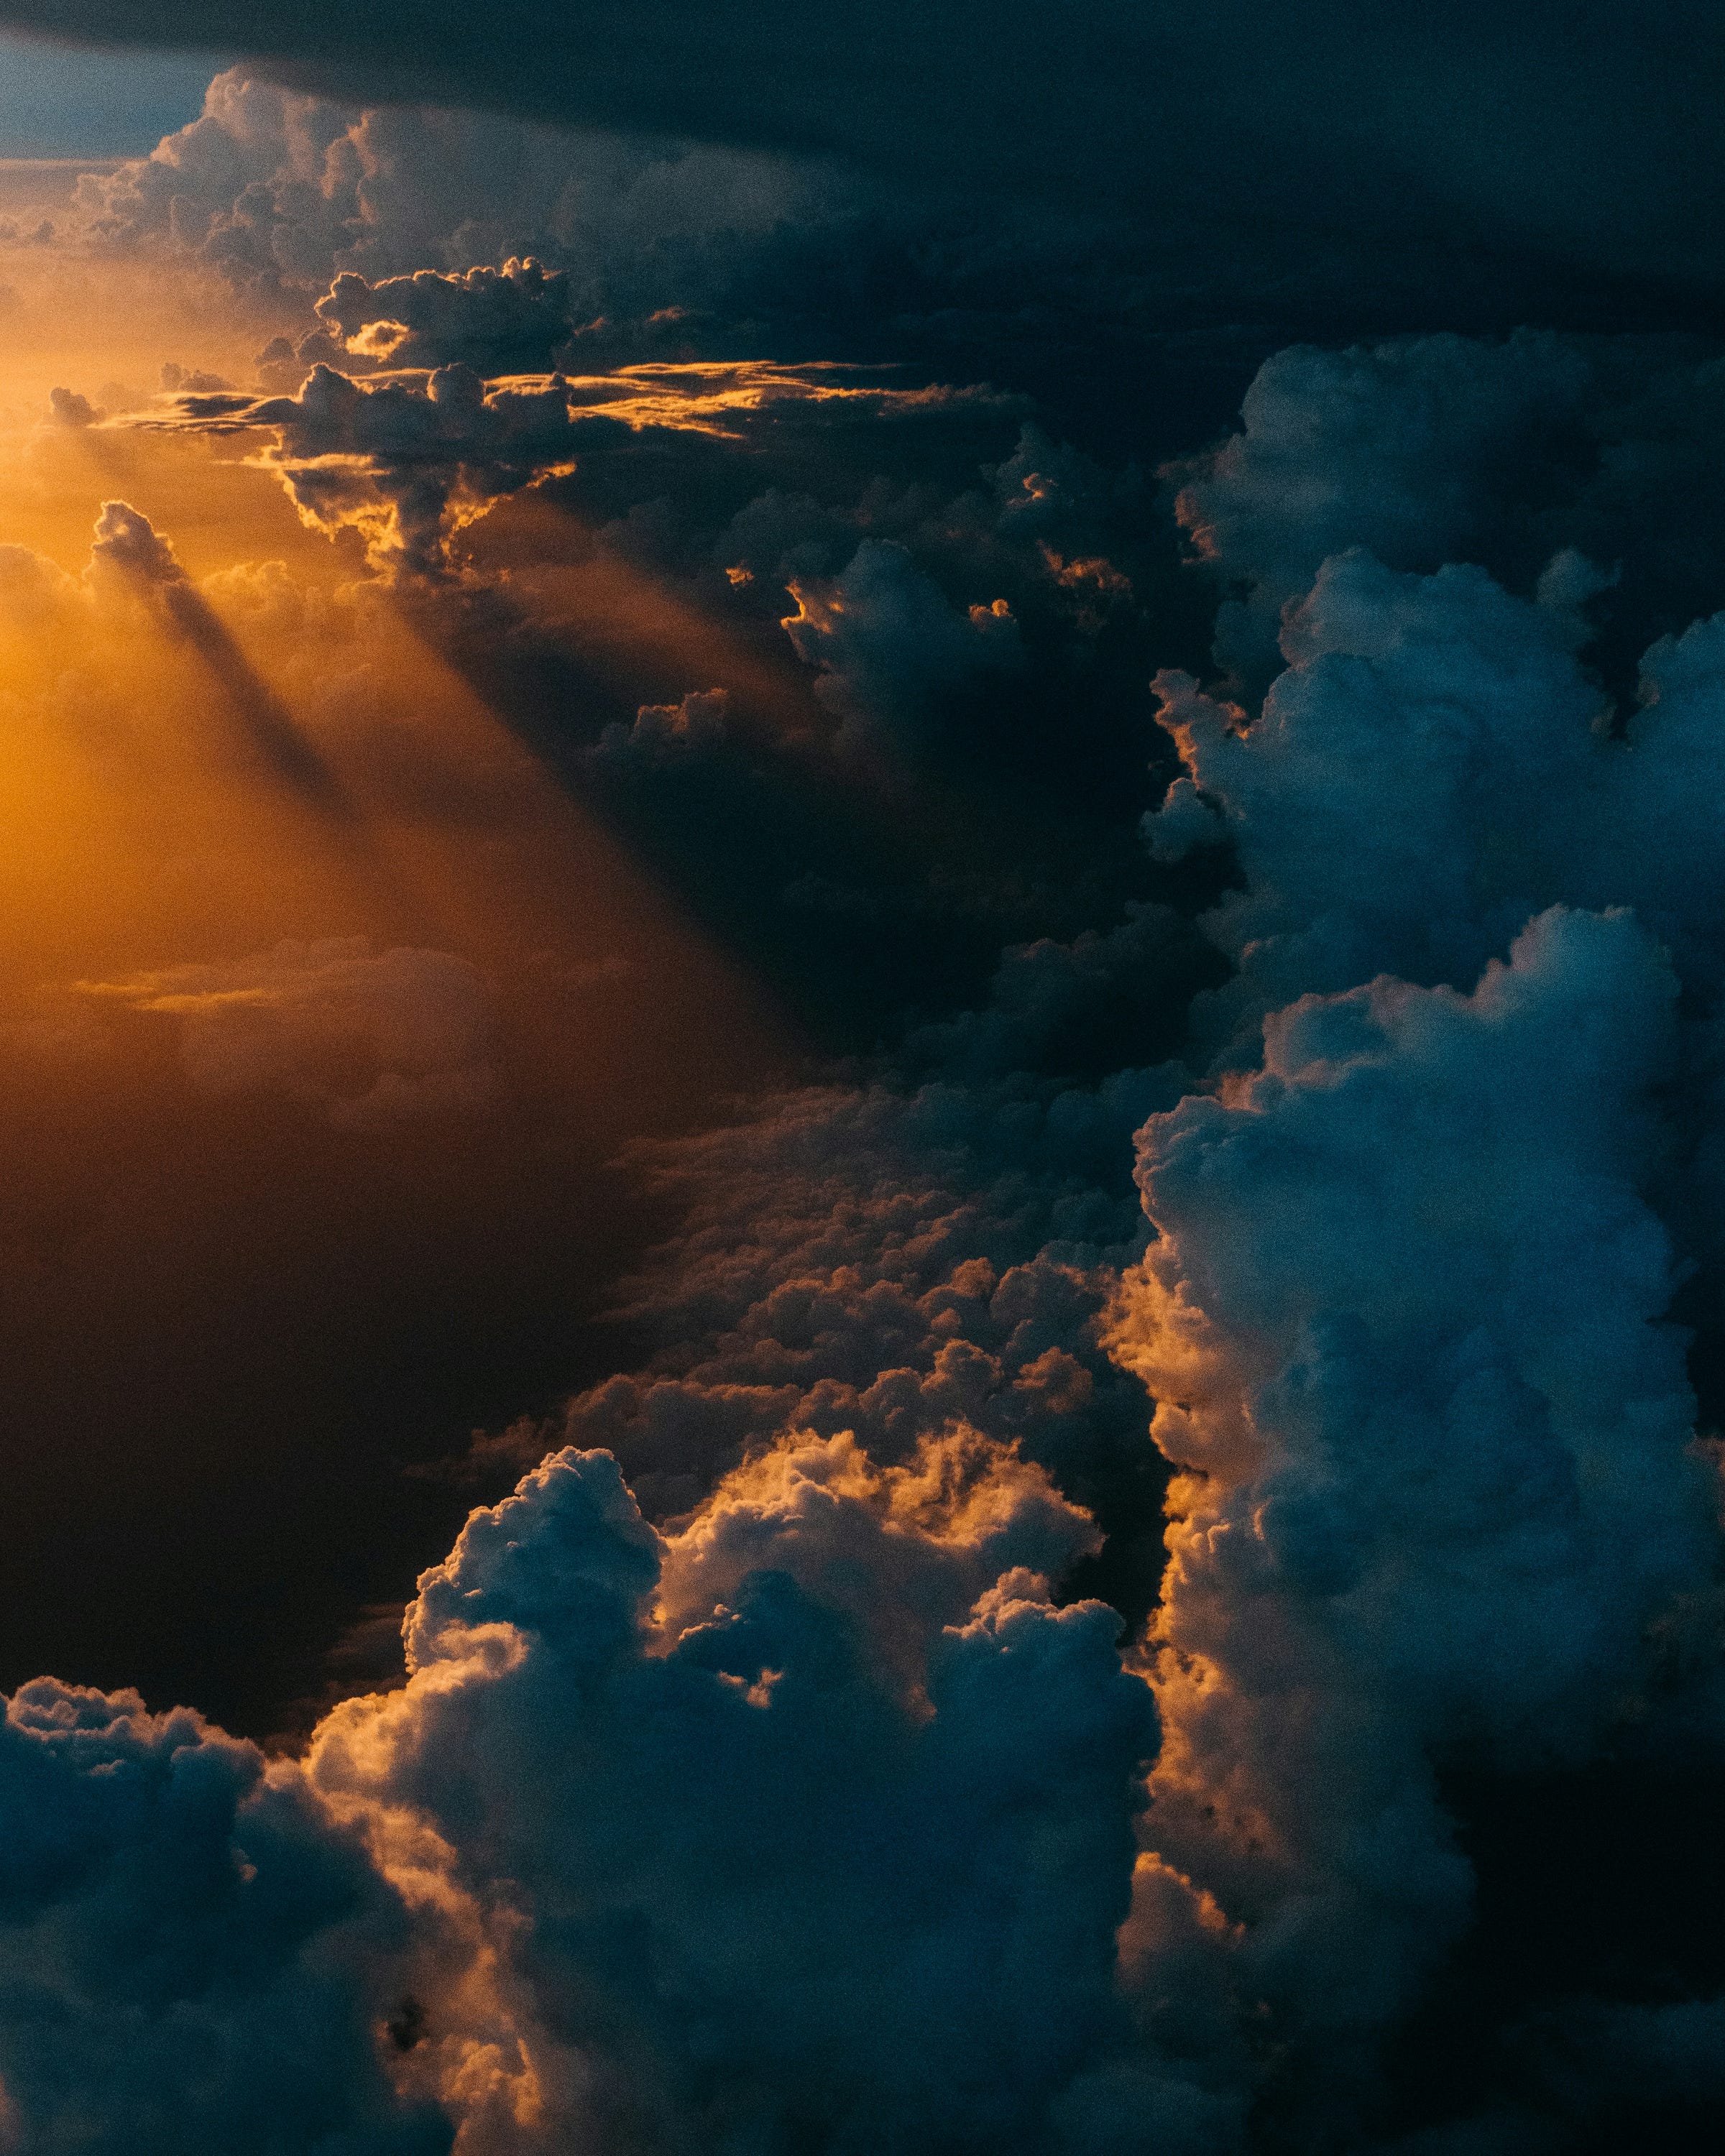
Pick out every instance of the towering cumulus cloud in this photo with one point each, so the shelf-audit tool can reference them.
(1403, 1320)
(1152, 1562)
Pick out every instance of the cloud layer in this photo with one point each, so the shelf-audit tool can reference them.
(1024, 1659)
(1338, 118)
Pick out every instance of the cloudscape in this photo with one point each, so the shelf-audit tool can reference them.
(862, 1080)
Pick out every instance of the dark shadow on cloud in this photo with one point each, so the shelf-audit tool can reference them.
(748, 843)
(1647, 1927)
(269, 726)
(128, 543)
(868, 890)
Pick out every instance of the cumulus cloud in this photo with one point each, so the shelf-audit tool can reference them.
(1404, 1312)
(402, 463)
(132, 563)
(1381, 801)
(1518, 456)
(670, 733)
(373, 1037)
(913, 1257)
(1431, 1435)
(273, 188)
(1384, 1415)
(192, 379)
(453, 1923)
(1434, 764)
(669, 1803)
(1412, 451)
(71, 409)
(497, 321)
(747, 1795)
(887, 644)
(775, 1778)
(125, 541)
(1406, 1308)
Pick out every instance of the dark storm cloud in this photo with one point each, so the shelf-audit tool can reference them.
(1360, 126)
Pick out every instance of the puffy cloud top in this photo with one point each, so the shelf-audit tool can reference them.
(510, 320)
(762, 1888)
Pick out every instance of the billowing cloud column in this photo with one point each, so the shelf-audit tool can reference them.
(1403, 1320)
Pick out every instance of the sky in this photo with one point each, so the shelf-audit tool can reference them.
(59, 101)
(862, 1080)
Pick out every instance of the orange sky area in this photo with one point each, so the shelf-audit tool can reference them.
(281, 1210)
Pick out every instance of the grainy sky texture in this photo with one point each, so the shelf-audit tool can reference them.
(862, 1080)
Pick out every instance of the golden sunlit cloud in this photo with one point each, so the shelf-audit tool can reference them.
(408, 459)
